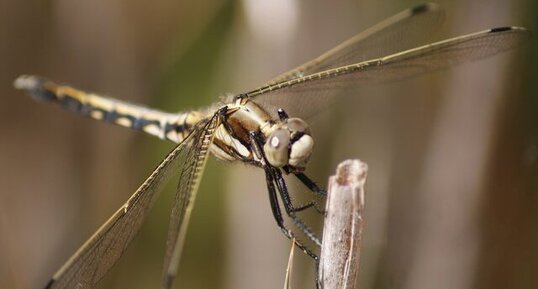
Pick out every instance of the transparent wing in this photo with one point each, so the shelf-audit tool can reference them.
(194, 162)
(407, 29)
(95, 258)
(304, 96)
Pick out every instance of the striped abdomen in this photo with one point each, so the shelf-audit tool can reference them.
(173, 127)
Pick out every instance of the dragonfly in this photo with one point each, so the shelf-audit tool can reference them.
(265, 128)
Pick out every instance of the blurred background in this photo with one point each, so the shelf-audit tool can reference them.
(452, 194)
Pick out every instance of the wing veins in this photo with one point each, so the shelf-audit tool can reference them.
(190, 177)
(305, 91)
(399, 32)
(74, 273)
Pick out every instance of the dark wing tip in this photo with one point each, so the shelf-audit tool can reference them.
(425, 7)
(502, 29)
(509, 28)
(524, 33)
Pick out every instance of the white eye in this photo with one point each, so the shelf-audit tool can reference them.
(301, 151)
(276, 148)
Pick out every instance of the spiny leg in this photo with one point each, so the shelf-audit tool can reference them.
(311, 185)
(276, 175)
(270, 177)
(300, 208)
(315, 189)
(273, 200)
(306, 230)
(290, 209)
(273, 175)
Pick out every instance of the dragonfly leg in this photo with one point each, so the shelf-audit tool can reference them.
(314, 188)
(291, 209)
(273, 200)
(306, 206)
(257, 143)
(311, 185)
(274, 176)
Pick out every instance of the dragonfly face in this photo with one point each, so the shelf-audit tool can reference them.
(290, 144)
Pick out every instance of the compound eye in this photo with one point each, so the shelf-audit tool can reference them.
(276, 148)
(301, 151)
(297, 125)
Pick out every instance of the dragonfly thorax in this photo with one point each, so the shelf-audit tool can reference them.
(286, 141)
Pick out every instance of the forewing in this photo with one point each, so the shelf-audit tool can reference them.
(191, 173)
(304, 96)
(407, 29)
(95, 258)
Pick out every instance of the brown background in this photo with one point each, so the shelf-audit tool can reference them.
(453, 189)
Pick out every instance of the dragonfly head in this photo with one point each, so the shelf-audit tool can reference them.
(289, 144)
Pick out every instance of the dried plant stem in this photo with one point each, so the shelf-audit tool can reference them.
(342, 233)
(289, 269)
